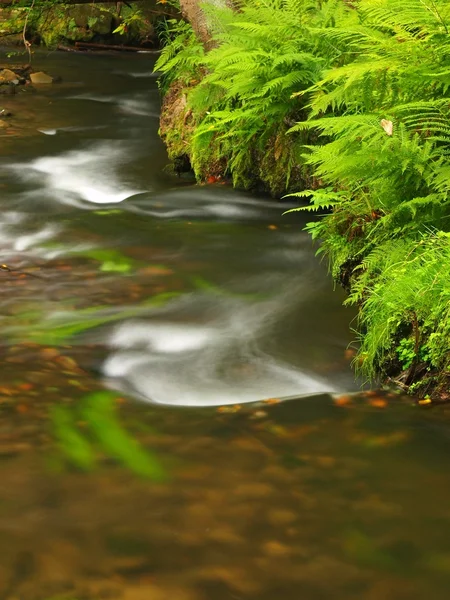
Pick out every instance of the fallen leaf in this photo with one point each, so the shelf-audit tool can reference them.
(229, 409)
(425, 401)
(25, 387)
(156, 270)
(342, 400)
(388, 126)
(378, 402)
(272, 401)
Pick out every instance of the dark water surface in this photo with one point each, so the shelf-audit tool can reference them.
(149, 327)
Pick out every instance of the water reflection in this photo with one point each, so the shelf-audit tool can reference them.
(98, 413)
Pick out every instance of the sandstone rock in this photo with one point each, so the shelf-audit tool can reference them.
(7, 76)
(41, 77)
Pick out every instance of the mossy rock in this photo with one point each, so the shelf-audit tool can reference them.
(82, 22)
(91, 18)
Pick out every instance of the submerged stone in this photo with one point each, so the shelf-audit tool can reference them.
(41, 77)
(8, 76)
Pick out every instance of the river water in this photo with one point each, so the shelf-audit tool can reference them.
(150, 328)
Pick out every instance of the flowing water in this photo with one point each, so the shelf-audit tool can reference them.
(150, 328)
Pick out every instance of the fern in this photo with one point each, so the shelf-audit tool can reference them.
(348, 105)
(388, 194)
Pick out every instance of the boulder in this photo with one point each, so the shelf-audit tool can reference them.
(40, 77)
(8, 76)
(89, 18)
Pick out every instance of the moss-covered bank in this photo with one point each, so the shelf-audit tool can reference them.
(266, 164)
(203, 130)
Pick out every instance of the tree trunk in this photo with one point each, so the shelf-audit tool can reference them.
(193, 12)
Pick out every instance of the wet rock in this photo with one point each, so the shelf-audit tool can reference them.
(8, 89)
(8, 76)
(41, 78)
(90, 17)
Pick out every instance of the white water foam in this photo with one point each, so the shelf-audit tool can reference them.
(138, 104)
(15, 240)
(205, 364)
(209, 202)
(88, 175)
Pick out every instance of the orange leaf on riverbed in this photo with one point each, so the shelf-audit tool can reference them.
(26, 387)
(272, 401)
(229, 409)
(378, 402)
(342, 400)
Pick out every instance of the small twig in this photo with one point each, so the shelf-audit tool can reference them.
(26, 43)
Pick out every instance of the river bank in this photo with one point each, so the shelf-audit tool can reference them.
(314, 111)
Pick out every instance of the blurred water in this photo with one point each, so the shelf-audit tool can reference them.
(255, 315)
(118, 276)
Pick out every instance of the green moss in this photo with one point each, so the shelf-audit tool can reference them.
(60, 23)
